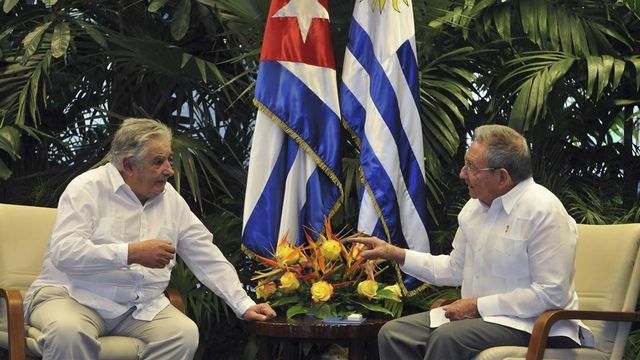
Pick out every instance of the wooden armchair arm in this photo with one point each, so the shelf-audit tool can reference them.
(543, 324)
(442, 302)
(15, 322)
(175, 298)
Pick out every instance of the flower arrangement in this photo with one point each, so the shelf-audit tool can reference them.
(325, 277)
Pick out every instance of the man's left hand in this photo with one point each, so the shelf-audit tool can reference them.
(462, 309)
(259, 312)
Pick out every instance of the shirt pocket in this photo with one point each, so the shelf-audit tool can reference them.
(511, 259)
(109, 231)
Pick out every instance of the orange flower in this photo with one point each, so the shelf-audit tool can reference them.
(355, 250)
(368, 288)
(321, 291)
(265, 290)
(287, 253)
(289, 282)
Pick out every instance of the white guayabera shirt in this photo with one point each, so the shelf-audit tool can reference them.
(98, 216)
(516, 256)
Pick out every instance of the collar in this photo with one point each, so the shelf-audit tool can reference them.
(509, 200)
(118, 184)
(116, 179)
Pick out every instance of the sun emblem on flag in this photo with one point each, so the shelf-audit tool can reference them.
(380, 4)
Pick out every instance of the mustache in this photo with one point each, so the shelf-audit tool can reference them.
(164, 177)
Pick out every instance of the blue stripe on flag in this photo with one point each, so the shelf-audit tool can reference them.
(409, 67)
(301, 109)
(261, 231)
(310, 214)
(384, 193)
(350, 105)
(384, 97)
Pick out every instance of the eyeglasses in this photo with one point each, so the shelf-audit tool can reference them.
(470, 169)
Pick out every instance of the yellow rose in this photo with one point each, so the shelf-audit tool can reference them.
(321, 291)
(287, 253)
(265, 290)
(289, 282)
(396, 290)
(331, 249)
(368, 288)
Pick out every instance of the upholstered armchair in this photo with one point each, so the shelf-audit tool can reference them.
(24, 233)
(607, 280)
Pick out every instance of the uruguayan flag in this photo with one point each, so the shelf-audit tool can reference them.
(295, 161)
(379, 100)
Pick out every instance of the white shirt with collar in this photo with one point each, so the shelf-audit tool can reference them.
(516, 257)
(98, 216)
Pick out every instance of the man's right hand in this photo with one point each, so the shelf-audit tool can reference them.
(378, 249)
(151, 253)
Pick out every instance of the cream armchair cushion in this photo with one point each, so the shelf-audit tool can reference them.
(607, 281)
(24, 234)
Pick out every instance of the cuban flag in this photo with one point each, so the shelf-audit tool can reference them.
(380, 100)
(295, 162)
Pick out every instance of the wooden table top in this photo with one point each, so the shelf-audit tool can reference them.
(308, 327)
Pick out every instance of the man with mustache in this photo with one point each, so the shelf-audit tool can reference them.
(109, 259)
(513, 256)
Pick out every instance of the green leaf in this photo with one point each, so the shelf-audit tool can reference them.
(624, 102)
(578, 36)
(8, 5)
(322, 310)
(185, 59)
(35, 82)
(635, 60)
(156, 5)
(31, 42)
(519, 112)
(296, 310)
(386, 294)
(285, 300)
(618, 70)
(554, 36)
(202, 67)
(49, 2)
(10, 141)
(5, 173)
(604, 74)
(60, 40)
(542, 10)
(502, 19)
(564, 29)
(181, 20)
(95, 35)
(374, 307)
(593, 64)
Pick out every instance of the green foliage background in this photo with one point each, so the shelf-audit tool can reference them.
(564, 72)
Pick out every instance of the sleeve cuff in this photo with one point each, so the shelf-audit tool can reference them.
(488, 305)
(413, 263)
(243, 306)
(122, 254)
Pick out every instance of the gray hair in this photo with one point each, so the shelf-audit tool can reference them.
(131, 139)
(507, 149)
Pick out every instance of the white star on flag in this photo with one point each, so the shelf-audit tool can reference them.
(304, 11)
